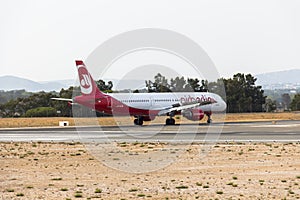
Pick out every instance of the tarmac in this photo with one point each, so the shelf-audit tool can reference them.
(267, 131)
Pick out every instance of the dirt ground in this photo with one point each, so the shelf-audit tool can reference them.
(229, 171)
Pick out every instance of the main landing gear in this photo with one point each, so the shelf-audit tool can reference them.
(209, 120)
(138, 121)
(170, 121)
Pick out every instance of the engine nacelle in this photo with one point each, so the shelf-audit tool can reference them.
(193, 114)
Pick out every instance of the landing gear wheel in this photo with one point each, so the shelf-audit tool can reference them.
(170, 121)
(209, 120)
(138, 121)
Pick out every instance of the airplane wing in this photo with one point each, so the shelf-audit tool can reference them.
(62, 99)
(180, 107)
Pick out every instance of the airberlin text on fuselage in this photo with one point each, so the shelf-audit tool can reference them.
(189, 99)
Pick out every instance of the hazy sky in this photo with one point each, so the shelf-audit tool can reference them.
(40, 40)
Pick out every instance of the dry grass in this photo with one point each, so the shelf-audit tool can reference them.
(262, 116)
(49, 122)
(32, 122)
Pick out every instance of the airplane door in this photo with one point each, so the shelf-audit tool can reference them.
(151, 103)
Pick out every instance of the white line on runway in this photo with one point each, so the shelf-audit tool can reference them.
(100, 132)
(276, 126)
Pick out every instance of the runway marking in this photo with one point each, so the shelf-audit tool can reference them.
(109, 132)
(257, 140)
(276, 126)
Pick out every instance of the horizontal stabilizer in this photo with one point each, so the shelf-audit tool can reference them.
(62, 99)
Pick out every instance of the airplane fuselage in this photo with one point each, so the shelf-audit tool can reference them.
(149, 104)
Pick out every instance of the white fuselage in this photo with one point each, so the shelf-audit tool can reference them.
(159, 101)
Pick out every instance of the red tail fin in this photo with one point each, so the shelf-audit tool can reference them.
(87, 84)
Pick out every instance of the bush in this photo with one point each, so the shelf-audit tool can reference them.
(41, 112)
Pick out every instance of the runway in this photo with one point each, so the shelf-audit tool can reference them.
(281, 131)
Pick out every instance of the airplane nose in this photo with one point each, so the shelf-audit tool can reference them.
(223, 105)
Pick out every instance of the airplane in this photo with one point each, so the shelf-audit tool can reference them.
(145, 106)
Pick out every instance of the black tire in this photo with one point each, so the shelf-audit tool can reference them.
(138, 121)
(141, 122)
(170, 121)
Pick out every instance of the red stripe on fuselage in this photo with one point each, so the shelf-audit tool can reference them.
(112, 106)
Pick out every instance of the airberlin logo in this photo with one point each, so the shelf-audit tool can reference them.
(190, 99)
(85, 80)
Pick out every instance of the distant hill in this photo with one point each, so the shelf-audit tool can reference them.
(16, 83)
(8, 83)
(279, 77)
(272, 80)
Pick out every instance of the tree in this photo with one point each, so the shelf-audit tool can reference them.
(177, 84)
(62, 107)
(242, 94)
(6, 96)
(286, 101)
(104, 87)
(204, 86)
(270, 105)
(218, 87)
(41, 112)
(19, 106)
(295, 104)
(160, 84)
(193, 85)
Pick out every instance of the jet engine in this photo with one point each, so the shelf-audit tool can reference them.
(193, 114)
